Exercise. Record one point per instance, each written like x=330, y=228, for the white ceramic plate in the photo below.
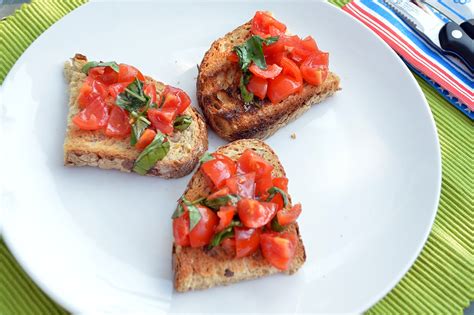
x=365, y=164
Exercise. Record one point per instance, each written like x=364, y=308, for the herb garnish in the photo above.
x=216, y=203
x=154, y=152
x=276, y=226
x=92, y=64
x=275, y=190
x=206, y=157
x=248, y=52
x=133, y=98
x=194, y=214
x=182, y=122
x=225, y=233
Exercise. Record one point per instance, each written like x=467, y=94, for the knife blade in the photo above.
x=449, y=37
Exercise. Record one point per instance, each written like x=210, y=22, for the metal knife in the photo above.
x=449, y=37
x=465, y=19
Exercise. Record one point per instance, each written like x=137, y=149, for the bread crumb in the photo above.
x=293, y=135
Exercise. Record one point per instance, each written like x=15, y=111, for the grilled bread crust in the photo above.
x=219, y=97
x=93, y=148
x=198, y=268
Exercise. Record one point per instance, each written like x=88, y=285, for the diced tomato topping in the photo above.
x=271, y=72
x=263, y=184
x=279, y=249
x=146, y=138
x=242, y=185
x=281, y=87
x=118, y=124
x=233, y=57
x=176, y=99
x=291, y=69
x=263, y=24
x=286, y=217
x=315, y=68
x=220, y=193
x=281, y=182
x=225, y=214
x=150, y=90
x=202, y=233
x=255, y=214
x=250, y=161
x=128, y=73
x=219, y=169
x=93, y=117
x=258, y=86
x=228, y=244
x=181, y=230
x=117, y=88
x=246, y=241
x=162, y=119
x=90, y=90
x=106, y=75
x=309, y=43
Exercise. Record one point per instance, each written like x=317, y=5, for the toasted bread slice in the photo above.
x=198, y=268
x=93, y=148
x=219, y=97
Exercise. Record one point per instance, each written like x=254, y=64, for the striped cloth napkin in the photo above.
x=446, y=74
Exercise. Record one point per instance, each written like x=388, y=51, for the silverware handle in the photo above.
x=468, y=27
x=454, y=40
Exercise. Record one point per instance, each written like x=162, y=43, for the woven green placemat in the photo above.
x=440, y=282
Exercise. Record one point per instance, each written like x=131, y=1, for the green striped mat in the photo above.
x=440, y=282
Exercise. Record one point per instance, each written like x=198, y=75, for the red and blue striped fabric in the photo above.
x=448, y=76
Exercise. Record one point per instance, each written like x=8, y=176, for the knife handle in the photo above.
x=454, y=40
x=468, y=27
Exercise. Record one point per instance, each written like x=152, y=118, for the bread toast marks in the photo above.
x=93, y=148
x=219, y=97
x=197, y=268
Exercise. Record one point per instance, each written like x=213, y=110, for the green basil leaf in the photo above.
x=138, y=127
x=225, y=233
x=276, y=226
x=93, y=64
x=206, y=157
x=275, y=190
x=182, y=122
x=133, y=98
x=252, y=50
x=216, y=203
x=271, y=40
x=178, y=211
x=244, y=57
x=194, y=216
x=154, y=152
x=247, y=96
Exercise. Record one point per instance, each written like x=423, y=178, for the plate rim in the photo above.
x=69, y=306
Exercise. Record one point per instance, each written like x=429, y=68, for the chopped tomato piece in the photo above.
x=279, y=249
x=219, y=169
x=181, y=230
x=281, y=87
x=93, y=117
x=271, y=72
x=106, y=75
x=254, y=214
x=315, y=68
x=150, y=90
x=261, y=23
x=263, y=184
x=281, y=182
x=228, y=244
x=90, y=90
x=176, y=98
x=202, y=233
x=118, y=124
x=276, y=58
x=309, y=43
x=116, y=88
x=277, y=47
x=246, y=241
x=258, y=86
x=145, y=139
x=162, y=119
x=128, y=73
x=291, y=69
x=225, y=214
x=242, y=185
x=220, y=193
x=233, y=57
x=250, y=161
x=286, y=217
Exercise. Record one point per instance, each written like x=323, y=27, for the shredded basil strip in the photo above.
x=216, y=203
x=179, y=211
x=247, y=96
x=154, y=152
x=275, y=190
x=182, y=122
x=194, y=214
x=276, y=226
x=92, y=64
x=225, y=233
x=138, y=127
x=133, y=98
x=206, y=157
